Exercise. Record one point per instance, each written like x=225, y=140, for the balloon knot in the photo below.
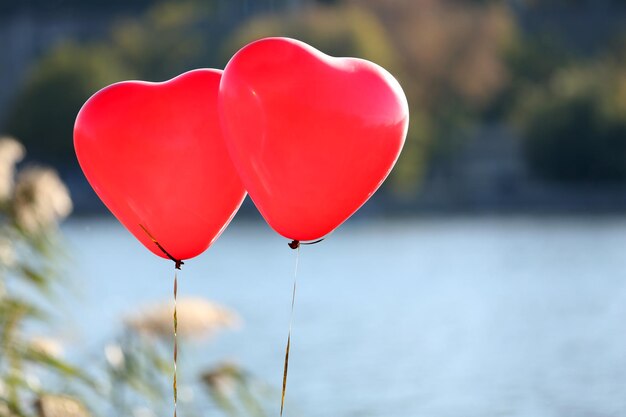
x=177, y=262
x=295, y=244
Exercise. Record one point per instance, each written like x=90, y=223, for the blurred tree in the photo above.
x=531, y=60
x=575, y=126
x=453, y=51
x=451, y=63
x=44, y=112
x=165, y=42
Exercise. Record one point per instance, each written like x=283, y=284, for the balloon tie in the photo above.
x=295, y=244
x=174, y=385
x=293, y=299
x=177, y=262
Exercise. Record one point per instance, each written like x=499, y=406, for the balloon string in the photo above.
x=177, y=262
x=293, y=300
x=177, y=265
x=174, y=385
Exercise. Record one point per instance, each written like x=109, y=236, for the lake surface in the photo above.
x=436, y=317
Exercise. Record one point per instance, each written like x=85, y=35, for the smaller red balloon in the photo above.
x=155, y=155
x=312, y=136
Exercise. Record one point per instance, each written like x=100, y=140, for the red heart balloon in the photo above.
x=312, y=136
x=155, y=155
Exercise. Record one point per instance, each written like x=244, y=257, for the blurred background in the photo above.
x=485, y=278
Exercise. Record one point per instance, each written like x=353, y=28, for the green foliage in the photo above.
x=412, y=163
x=163, y=43
x=531, y=61
x=43, y=115
x=575, y=126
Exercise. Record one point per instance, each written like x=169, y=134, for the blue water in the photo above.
x=436, y=317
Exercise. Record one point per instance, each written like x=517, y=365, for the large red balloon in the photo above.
x=154, y=154
x=312, y=136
